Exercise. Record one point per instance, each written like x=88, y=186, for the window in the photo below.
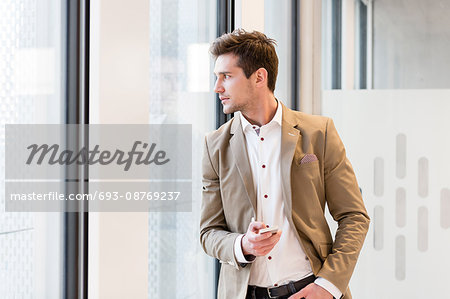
x=150, y=64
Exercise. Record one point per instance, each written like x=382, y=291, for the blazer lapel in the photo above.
x=290, y=136
x=238, y=147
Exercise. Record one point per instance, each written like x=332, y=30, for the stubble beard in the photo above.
x=231, y=108
x=243, y=106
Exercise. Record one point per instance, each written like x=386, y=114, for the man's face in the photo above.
x=234, y=89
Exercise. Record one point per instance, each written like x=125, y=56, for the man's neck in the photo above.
x=263, y=113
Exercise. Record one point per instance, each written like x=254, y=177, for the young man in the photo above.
x=270, y=166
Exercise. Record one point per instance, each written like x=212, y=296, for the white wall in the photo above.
x=396, y=141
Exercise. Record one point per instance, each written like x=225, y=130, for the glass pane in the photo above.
x=150, y=64
x=394, y=139
x=30, y=93
x=277, y=25
x=411, y=44
x=386, y=44
x=273, y=18
x=181, y=83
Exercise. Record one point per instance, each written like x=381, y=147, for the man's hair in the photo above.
x=253, y=50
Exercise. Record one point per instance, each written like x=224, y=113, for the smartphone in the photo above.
x=272, y=230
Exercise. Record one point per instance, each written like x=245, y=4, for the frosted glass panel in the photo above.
x=30, y=86
x=404, y=253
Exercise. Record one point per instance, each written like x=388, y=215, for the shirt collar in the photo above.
x=276, y=119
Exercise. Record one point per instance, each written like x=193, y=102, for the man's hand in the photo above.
x=258, y=244
x=312, y=291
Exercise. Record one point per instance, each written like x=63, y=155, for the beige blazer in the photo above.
x=229, y=199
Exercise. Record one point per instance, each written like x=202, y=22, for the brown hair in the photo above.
x=253, y=49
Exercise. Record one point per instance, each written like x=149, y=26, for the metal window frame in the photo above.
x=76, y=93
x=336, y=44
x=295, y=55
x=225, y=23
x=363, y=9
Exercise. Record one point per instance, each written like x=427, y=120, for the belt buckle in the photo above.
x=268, y=292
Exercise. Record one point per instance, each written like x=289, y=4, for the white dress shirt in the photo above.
x=287, y=260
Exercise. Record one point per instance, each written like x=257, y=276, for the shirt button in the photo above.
x=265, y=196
x=269, y=257
x=262, y=138
x=275, y=285
x=263, y=166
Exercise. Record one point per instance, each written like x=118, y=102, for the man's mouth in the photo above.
x=223, y=98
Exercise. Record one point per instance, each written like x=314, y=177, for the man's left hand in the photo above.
x=312, y=291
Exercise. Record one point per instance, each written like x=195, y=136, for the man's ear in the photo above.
x=261, y=77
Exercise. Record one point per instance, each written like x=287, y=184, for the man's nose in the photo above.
x=218, y=88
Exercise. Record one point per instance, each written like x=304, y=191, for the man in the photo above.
x=270, y=166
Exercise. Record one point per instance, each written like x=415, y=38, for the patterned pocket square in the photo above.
x=308, y=158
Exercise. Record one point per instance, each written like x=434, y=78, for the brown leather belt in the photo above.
x=280, y=291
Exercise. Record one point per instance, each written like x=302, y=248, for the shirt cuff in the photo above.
x=331, y=288
x=238, y=251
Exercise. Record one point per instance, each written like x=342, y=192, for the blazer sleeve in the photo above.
x=346, y=205
x=215, y=238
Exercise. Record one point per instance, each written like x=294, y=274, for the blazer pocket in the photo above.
x=307, y=172
x=308, y=165
x=311, y=169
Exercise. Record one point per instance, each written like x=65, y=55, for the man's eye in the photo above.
x=226, y=76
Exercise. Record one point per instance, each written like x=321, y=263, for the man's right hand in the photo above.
x=258, y=244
